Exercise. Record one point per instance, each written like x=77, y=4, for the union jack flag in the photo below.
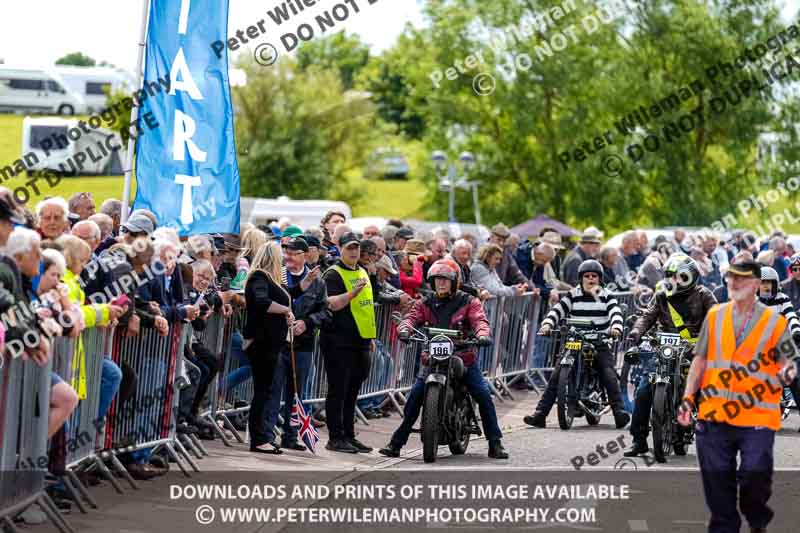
x=307, y=431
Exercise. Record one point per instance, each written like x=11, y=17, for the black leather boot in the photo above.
x=639, y=448
x=537, y=419
x=496, y=450
x=390, y=450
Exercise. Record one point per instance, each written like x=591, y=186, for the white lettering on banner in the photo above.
x=184, y=17
x=185, y=128
x=184, y=125
x=186, y=81
x=186, y=200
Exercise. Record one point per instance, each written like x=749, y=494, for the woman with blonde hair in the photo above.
x=269, y=314
x=252, y=241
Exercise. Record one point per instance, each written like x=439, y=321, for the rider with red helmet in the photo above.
x=449, y=308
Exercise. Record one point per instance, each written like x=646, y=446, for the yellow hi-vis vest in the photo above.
x=740, y=385
x=677, y=321
x=362, y=306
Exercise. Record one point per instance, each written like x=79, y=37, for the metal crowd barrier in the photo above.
x=24, y=410
x=148, y=419
x=512, y=357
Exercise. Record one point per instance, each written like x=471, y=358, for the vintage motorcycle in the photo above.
x=580, y=391
x=668, y=380
x=448, y=410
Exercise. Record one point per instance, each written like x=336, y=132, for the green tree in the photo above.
x=552, y=104
x=347, y=55
x=77, y=59
x=300, y=134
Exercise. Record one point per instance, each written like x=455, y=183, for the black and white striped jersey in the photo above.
x=603, y=309
x=784, y=305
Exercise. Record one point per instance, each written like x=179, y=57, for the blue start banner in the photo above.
x=186, y=169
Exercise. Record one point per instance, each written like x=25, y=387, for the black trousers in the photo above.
x=346, y=368
x=263, y=361
x=208, y=363
x=604, y=361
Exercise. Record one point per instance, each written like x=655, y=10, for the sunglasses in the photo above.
x=795, y=269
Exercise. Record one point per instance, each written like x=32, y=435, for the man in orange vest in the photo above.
x=742, y=354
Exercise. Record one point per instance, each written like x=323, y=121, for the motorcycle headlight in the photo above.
x=667, y=352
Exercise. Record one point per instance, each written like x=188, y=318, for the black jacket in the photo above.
x=263, y=327
x=312, y=308
x=692, y=307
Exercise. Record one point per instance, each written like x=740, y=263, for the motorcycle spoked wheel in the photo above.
x=431, y=422
x=566, y=389
x=462, y=433
x=663, y=423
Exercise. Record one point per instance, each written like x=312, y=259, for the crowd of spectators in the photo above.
x=65, y=268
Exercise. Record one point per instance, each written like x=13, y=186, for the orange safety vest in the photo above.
x=740, y=385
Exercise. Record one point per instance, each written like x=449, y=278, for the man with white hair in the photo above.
x=97, y=274
x=630, y=252
x=52, y=215
x=113, y=208
x=106, y=225
x=462, y=254
x=371, y=231
x=82, y=204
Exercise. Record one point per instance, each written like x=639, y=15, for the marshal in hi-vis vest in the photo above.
x=362, y=306
x=740, y=385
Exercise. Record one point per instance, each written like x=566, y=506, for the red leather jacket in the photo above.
x=461, y=312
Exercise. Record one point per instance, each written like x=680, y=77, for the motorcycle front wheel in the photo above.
x=430, y=422
x=662, y=419
x=565, y=387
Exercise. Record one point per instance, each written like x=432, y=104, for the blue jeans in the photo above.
x=283, y=385
x=243, y=373
x=478, y=389
x=643, y=397
x=541, y=349
x=109, y=385
x=718, y=446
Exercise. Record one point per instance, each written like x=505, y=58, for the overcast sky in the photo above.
x=37, y=32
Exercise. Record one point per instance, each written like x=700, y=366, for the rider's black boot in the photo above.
x=390, y=450
x=621, y=418
x=537, y=419
x=639, y=448
x=496, y=450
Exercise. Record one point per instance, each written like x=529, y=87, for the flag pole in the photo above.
x=126, y=191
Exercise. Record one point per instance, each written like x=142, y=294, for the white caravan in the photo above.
x=27, y=90
x=91, y=83
x=100, y=152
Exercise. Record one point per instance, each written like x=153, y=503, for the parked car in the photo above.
x=387, y=163
x=37, y=91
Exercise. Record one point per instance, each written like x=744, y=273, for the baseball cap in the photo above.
x=386, y=264
x=748, y=269
x=292, y=231
x=405, y=233
x=347, y=239
x=312, y=241
x=297, y=244
x=139, y=223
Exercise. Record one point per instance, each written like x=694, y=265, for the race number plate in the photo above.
x=669, y=339
x=573, y=345
x=441, y=349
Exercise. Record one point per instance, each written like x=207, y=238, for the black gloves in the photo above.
x=484, y=341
